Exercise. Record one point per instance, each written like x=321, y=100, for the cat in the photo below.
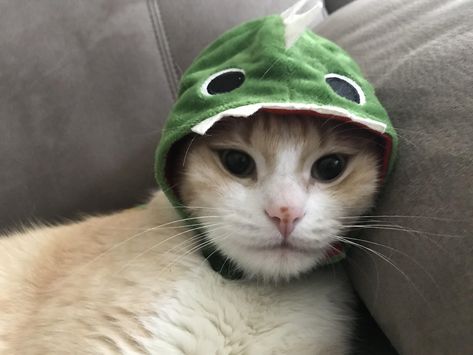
x=270, y=193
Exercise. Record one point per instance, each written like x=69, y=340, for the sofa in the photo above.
x=85, y=87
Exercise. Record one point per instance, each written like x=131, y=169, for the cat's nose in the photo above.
x=285, y=218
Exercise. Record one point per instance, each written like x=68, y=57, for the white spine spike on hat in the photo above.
x=300, y=16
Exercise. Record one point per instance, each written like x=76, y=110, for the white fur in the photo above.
x=205, y=314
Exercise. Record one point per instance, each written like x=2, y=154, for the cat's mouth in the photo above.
x=330, y=250
x=286, y=246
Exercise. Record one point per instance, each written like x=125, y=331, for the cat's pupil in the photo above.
x=237, y=162
x=328, y=167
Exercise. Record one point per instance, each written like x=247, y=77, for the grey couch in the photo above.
x=86, y=85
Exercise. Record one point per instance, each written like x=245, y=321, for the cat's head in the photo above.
x=282, y=213
x=276, y=192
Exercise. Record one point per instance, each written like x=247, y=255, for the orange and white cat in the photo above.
x=272, y=194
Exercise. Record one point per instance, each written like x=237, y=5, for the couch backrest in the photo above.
x=419, y=56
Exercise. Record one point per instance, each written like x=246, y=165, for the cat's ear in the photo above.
x=300, y=16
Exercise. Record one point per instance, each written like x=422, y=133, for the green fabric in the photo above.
x=273, y=74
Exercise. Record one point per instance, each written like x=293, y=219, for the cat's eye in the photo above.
x=346, y=88
x=237, y=162
x=224, y=81
x=329, y=167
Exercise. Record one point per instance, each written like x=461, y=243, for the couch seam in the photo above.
x=163, y=46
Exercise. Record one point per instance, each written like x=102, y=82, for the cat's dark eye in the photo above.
x=223, y=81
x=329, y=167
x=237, y=162
x=346, y=88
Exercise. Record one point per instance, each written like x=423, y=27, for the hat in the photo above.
x=275, y=64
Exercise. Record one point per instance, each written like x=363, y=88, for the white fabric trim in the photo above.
x=247, y=110
x=296, y=22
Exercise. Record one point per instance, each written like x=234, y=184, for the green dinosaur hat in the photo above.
x=274, y=64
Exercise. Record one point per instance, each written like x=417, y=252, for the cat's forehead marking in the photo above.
x=268, y=130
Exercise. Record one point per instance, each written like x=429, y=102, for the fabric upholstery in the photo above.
x=83, y=95
x=418, y=55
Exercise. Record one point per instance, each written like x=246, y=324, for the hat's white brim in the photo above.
x=248, y=110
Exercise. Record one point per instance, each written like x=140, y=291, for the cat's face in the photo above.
x=274, y=191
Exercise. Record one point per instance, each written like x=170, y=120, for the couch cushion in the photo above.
x=83, y=95
x=418, y=55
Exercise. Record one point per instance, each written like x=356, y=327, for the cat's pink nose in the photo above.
x=285, y=218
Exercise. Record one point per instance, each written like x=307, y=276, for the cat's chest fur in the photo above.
x=205, y=314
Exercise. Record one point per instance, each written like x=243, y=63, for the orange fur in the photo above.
x=82, y=287
x=85, y=287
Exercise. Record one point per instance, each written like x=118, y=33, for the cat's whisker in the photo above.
x=394, y=227
x=206, y=243
x=164, y=241
x=386, y=259
x=223, y=265
x=186, y=244
x=195, y=239
x=127, y=240
x=200, y=245
x=354, y=262
x=163, y=228
x=269, y=68
x=187, y=150
x=246, y=225
x=171, y=207
x=402, y=229
x=412, y=259
x=403, y=138
x=404, y=217
x=209, y=208
x=221, y=238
